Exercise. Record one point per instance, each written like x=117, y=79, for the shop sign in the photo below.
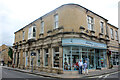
x=82, y=42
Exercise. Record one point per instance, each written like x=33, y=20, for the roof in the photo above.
x=60, y=7
x=112, y=25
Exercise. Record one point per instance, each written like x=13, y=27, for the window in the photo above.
x=32, y=32
x=26, y=59
x=29, y=32
x=101, y=25
x=111, y=31
x=46, y=57
x=116, y=35
x=38, y=58
x=56, y=57
x=23, y=34
x=56, y=21
x=42, y=27
x=90, y=22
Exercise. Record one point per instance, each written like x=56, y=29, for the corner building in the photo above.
x=56, y=41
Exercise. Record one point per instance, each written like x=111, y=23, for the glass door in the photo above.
x=97, y=54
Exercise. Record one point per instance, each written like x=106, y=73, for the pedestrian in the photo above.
x=85, y=67
x=80, y=63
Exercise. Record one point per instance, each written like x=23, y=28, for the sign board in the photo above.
x=82, y=42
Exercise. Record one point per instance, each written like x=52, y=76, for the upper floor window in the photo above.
x=23, y=35
x=90, y=22
x=32, y=32
x=116, y=35
x=101, y=25
x=111, y=31
x=56, y=21
x=42, y=27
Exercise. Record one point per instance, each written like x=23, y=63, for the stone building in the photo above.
x=113, y=44
x=56, y=41
x=4, y=57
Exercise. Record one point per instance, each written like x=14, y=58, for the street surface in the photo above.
x=110, y=75
x=6, y=73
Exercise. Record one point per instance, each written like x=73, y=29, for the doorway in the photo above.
x=97, y=55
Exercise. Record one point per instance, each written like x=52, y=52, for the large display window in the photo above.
x=115, y=58
x=95, y=58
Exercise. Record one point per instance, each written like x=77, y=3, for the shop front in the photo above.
x=114, y=58
x=75, y=49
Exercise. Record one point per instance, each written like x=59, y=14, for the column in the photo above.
x=61, y=59
x=41, y=59
x=50, y=61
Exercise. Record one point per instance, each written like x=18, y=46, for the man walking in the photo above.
x=80, y=66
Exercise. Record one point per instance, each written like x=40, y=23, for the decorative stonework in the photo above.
x=82, y=29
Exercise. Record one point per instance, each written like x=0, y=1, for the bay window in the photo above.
x=32, y=32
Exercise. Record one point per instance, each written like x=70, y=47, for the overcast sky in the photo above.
x=15, y=14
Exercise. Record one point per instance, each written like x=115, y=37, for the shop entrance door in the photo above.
x=97, y=54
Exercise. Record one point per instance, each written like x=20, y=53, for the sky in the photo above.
x=15, y=14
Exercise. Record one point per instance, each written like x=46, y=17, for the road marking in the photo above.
x=104, y=76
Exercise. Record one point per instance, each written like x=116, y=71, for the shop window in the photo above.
x=67, y=58
x=75, y=58
x=90, y=22
x=115, y=58
x=38, y=58
x=46, y=57
x=90, y=59
x=56, y=57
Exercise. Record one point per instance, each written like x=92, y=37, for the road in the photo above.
x=114, y=75
x=6, y=73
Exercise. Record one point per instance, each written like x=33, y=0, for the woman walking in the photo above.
x=85, y=68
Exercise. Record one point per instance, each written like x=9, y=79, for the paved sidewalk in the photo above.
x=67, y=75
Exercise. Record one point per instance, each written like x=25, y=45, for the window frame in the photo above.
x=112, y=34
x=42, y=27
x=46, y=55
x=55, y=53
x=90, y=22
x=56, y=19
x=116, y=34
x=102, y=27
x=23, y=35
x=31, y=32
